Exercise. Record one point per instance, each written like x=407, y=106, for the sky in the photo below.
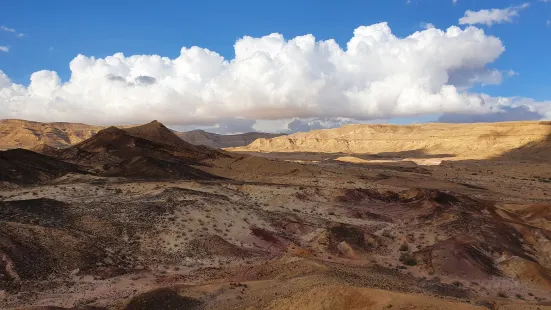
x=285, y=66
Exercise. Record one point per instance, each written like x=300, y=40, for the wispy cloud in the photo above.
x=512, y=73
x=492, y=16
x=427, y=25
x=7, y=29
x=12, y=30
x=4, y=49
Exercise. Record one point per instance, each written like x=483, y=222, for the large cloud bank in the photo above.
x=377, y=75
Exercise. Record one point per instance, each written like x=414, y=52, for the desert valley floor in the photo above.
x=136, y=218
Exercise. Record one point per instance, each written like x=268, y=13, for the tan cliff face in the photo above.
x=481, y=140
x=38, y=136
x=26, y=134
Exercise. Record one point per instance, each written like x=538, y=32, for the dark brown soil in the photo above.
x=165, y=298
x=21, y=166
x=459, y=259
x=41, y=211
x=352, y=235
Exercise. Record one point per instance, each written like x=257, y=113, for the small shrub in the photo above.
x=404, y=247
x=408, y=260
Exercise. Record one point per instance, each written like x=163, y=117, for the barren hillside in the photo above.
x=151, y=150
x=221, y=141
x=16, y=133
x=37, y=136
x=482, y=140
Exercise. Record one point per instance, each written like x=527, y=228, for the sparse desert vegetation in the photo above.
x=136, y=217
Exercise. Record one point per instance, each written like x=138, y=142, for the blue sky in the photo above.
x=55, y=32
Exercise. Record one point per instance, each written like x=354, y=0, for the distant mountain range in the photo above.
x=202, y=137
x=16, y=133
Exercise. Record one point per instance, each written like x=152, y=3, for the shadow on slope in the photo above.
x=164, y=298
x=416, y=154
x=23, y=167
x=315, y=156
x=532, y=151
x=146, y=151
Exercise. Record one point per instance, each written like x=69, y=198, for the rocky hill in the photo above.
x=222, y=141
x=147, y=151
x=36, y=136
x=481, y=140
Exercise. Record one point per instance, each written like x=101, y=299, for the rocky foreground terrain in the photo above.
x=137, y=218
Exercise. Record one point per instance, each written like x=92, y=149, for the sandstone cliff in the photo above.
x=481, y=140
x=16, y=133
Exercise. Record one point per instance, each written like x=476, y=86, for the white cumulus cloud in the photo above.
x=492, y=16
x=376, y=76
x=4, y=49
